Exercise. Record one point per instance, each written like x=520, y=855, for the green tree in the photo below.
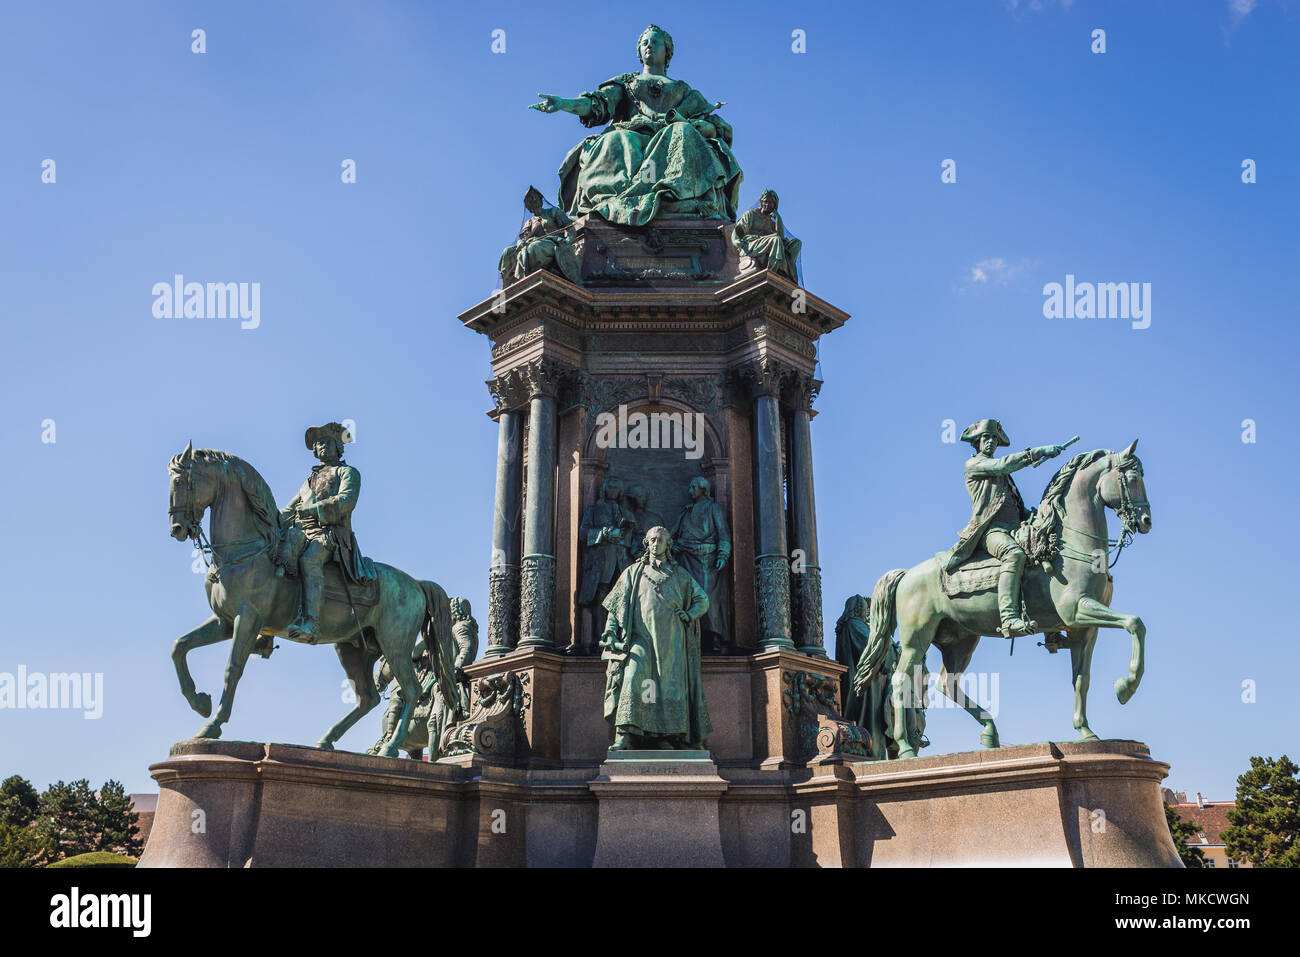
x=114, y=822
x=66, y=819
x=19, y=801
x=22, y=845
x=1183, y=831
x=1265, y=824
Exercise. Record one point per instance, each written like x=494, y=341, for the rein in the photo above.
x=207, y=549
x=1125, y=511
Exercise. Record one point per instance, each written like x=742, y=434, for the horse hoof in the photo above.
x=203, y=704
x=210, y=730
x=1123, y=690
x=323, y=745
x=1088, y=736
x=389, y=753
x=990, y=741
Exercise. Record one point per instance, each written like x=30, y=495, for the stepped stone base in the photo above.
x=270, y=805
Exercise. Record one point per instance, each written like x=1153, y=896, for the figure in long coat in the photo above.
x=654, y=693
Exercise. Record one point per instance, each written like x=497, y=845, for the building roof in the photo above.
x=1210, y=819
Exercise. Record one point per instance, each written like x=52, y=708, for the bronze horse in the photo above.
x=252, y=605
x=1072, y=593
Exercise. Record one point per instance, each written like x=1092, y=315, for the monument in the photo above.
x=655, y=688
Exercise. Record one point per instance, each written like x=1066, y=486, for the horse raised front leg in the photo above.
x=1082, y=641
x=1092, y=612
x=208, y=633
x=246, y=627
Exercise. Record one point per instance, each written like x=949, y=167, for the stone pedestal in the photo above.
x=658, y=809
x=1034, y=805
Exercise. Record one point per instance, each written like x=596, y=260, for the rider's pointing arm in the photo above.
x=979, y=465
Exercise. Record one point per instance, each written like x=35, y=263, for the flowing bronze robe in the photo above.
x=657, y=689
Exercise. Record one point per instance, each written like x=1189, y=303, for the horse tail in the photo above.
x=437, y=618
x=884, y=619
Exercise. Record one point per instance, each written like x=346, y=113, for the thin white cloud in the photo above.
x=1240, y=9
x=996, y=271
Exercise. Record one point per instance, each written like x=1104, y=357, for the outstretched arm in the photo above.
x=550, y=103
x=1013, y=462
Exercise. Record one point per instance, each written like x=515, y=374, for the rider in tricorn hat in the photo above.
x=996, y=511
x=322, y=509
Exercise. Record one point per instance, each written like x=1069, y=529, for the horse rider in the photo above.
x=322, y=512
x=996, y=511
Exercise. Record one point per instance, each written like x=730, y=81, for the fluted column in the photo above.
x=771, y=560
x=805, y=572
x=503, y=576
x=537, y=578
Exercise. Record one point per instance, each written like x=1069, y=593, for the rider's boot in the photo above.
x=313, y=595
x=1009, y=600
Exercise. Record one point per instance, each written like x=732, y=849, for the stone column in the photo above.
x=503, y=576
x=771, y=559
x=805, y=572
x=537, y=578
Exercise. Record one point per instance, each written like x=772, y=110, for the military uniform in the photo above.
x=322, y=510
x=700, y=538
x=997, y=510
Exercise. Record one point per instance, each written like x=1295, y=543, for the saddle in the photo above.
x=290, y=548
x=979, y=573
x=363, y=593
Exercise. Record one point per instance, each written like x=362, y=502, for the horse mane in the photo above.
x=258, y=493
x=1051, y=508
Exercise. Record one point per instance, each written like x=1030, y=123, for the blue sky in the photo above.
x=225, y=166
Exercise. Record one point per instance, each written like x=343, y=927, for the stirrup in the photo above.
x=1018, y=627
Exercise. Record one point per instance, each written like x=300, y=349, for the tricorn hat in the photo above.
x=985, y=427
x=333, y=429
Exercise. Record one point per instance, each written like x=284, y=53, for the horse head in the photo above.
x=191, y=491
x=1121, y=489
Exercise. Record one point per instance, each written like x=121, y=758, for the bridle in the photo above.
x=1127, y=512
x=193, y=525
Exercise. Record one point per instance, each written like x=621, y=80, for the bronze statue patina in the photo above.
x=664, y=153
x=760, y=234
x=637, y=498
x=252, y=604
x=542, y=244
x=322, y=513
x=702, y=544
x=996, y=512
x=951, y=606
x=654, y=692
x=606, y=529
x=433, y=714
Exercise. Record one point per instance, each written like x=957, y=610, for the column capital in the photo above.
x=763, y=376
x=544, y=376
x=801, y=389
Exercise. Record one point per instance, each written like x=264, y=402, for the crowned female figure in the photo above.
x=664, y=153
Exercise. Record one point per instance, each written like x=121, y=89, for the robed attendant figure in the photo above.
x=654, y=693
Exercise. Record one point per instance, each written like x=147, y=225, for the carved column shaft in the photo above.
x=537, y=578
x=805, y=573
x=771, y=563
x=503, y=576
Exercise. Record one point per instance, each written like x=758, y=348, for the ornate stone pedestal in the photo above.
x=658, y=809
